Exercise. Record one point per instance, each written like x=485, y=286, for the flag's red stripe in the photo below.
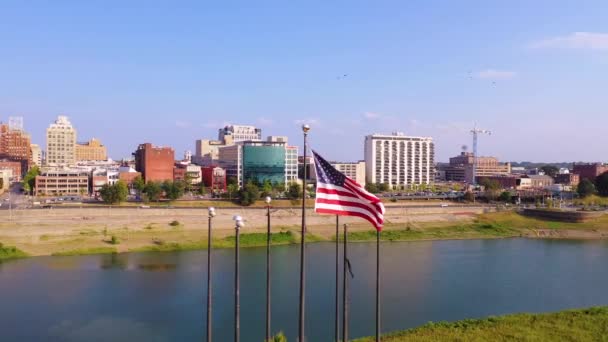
x=349, y=213
x=376, y=202
x=351, y=204
x=335, y=192
x=351, y=187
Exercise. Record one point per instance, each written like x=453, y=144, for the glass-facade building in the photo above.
x=264, y=163
x=260, y=161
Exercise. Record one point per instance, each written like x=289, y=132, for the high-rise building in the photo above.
x=154, y=163
x=399, y=160
x=207, y=151
x=260, y=161
x=91, y=150
x=36, y=154
x=15, y=143
x=61, y=143
x=237, y=133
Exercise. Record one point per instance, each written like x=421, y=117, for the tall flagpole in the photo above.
x=345, y=288
x=268, y=238
x=337, y=330
x=377, y=285
x=211, y=215
x=305, y=129
x=237, y=305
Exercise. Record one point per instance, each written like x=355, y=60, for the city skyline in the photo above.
x=171, y=75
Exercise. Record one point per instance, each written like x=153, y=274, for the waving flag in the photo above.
x=340, y=195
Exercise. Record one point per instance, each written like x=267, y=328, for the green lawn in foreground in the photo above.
x=573, y=325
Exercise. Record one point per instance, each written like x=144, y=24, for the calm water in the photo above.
x=160, y=296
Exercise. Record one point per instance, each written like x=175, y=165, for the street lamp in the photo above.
x=212, y=214
x=238, y=225
x=268, y=238
x=305, y=130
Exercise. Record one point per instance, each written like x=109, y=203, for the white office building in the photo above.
x=61, y=143
x=399, y=160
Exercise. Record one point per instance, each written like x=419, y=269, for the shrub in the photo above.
x=174, y=223
x=114, y=240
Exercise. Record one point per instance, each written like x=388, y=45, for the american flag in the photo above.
x=340, y=195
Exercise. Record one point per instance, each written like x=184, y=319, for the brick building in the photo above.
x=589, y=171
x=15, y=166
x=461, y=168
x=15, y=145
x=571, y=179
x=154, y=163
x=214, y=178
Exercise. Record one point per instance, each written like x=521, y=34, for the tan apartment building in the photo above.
x=461, y=168
x=36, y=154
x=91, y=150
x=61, y=143
x=352, y=170
x=62, y=182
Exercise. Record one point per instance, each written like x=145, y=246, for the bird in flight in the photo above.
x=342, y=77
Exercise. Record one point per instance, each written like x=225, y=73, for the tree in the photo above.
x=279, y=187
x=139, y=184
x=249, y=194
x=294, y=191
x=505, y=196
x=153, y=191
x=601, y=183
x=267, y=188
x=550, y=170
x=371, y=187
x=232, y=190
x=383, y=187
x=173, y=190
x=1, y=183
x=232, y=181
x=29, y=181
x=113, y=194
x=201, y=189
x=585, y=188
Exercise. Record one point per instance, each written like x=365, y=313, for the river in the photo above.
x=161, y=296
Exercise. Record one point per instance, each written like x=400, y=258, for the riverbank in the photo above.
x=571, y=325
x=95, y=231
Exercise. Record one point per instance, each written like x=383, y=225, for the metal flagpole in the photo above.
x=209, y=308
x=337, y=332
x=237, y=306
x=345, y=288
x=305, y=129
x=377, y=285
x=268, y=238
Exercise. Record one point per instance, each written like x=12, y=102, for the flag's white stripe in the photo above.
x=352, y=209
x=357, y=199
x=369, y=207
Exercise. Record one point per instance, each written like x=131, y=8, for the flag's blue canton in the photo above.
x=326, y=173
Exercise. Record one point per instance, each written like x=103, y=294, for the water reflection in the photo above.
x=105, y=329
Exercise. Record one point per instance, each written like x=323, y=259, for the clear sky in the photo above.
x=170, y=72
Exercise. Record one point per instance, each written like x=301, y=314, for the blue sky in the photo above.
x=170, y=72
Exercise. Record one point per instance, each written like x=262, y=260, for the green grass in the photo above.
x=11, y=252
x=246, y=240
x=87, y=251
x=572, y=325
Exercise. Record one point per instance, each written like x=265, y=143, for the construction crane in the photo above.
x=476, y=131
